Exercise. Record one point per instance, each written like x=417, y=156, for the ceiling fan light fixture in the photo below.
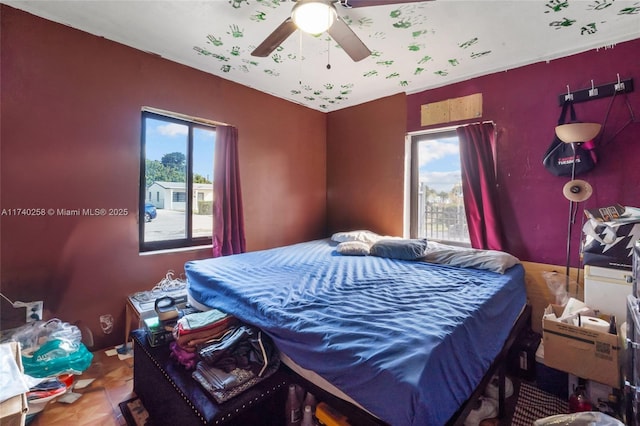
x=313, y=16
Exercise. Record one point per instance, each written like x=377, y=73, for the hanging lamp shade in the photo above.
x=577, y=132
x=577, y=190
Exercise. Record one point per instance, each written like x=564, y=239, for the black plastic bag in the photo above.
x=560, y=156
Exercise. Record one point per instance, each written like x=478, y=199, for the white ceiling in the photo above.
x=416, y=46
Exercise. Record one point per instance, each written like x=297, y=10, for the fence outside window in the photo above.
x=442, y=217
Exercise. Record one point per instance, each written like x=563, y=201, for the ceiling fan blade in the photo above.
x=348, y=40
x=275, y=39
x=367, y=3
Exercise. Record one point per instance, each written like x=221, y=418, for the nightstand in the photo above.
x=141, y=305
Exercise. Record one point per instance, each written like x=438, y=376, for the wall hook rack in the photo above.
x=597, y=92
x=568, y=96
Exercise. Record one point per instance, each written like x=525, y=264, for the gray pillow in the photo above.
x=400, y=248
x=491, y=260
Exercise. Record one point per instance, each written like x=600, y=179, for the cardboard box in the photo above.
x=588, y=354
x=13, y=411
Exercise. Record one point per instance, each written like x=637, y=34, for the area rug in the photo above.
x=534, y=404
x=134, y=413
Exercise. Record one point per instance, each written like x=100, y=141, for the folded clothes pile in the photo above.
x=234, y=362
x=227, y=357
x=224, y=386
x=195, y=330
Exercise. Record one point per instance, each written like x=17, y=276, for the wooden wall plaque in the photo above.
x=455, y=109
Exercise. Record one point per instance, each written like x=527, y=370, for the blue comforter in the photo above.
x=408, y=340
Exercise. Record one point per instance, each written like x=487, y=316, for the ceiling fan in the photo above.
x=316, y=17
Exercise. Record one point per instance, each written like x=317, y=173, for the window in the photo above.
x=179, y=197
x=176, y=164
x=437, y=203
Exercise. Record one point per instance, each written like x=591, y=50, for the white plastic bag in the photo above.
x=35, y=334
x=557, y=285
x=585, y=418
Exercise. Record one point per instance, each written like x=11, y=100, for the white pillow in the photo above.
x=353, y=248
x=491, y=260
x=362, y=235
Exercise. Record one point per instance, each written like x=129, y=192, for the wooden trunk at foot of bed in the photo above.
x=172, y=397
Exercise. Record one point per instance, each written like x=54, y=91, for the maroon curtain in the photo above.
x=479, y=185
x=228, y=225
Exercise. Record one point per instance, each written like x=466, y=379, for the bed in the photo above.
x=407, y=340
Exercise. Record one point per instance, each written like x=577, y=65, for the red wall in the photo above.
x=365, y=175
x=70, y=138
x=365, y=149
x=524, y=105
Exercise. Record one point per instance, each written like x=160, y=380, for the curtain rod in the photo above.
x=184, y=117
x=447, y=129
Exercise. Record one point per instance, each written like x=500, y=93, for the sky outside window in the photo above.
x=162, y=137
x=439, y=163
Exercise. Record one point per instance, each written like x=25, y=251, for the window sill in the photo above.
x=176, y=250
x=451, y=242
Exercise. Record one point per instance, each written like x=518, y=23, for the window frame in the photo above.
x=189, y=241
x=414, y=178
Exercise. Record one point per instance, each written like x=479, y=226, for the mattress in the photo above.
x=407, y=340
